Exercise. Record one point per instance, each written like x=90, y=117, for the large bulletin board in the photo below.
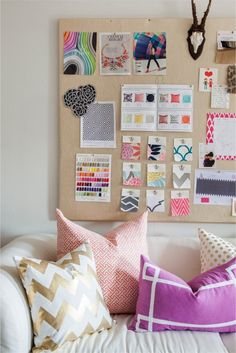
x=181, y=69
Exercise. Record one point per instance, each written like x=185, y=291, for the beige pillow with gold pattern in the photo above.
x=65, y=297
x=214, y=251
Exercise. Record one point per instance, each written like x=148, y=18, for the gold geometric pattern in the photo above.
x=65, y=298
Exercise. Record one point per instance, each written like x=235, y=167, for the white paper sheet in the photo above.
x=207, y=78
x=219, y=97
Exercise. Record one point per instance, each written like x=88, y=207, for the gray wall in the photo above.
x=29, y=109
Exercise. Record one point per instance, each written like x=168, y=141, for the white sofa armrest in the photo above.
x=15, y=321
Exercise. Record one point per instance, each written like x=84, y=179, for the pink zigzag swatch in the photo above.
x=180, y=207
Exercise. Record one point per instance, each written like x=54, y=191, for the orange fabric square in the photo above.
x=185, y=119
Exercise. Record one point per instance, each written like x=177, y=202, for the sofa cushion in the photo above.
x=120, y=340
x=117, y=257
x=166, y=302
x=214, y=250
x=65, y=297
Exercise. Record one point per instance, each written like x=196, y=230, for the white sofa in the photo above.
x=178, y=255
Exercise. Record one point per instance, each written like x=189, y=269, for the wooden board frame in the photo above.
x=181, y=69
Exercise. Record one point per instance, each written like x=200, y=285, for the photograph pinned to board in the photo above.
x=174, y=107
x=183, y=149
x=156, y=175
x=182, y=176
x=132, y=174
x=214, y=187
x=156, y=150
x=115, y=53
x=78, y=100
x=149, y=53
x=155, y=200
x=138, y=107
x=80, y=53
x=220, y=130
x=93, y=177
x=220, y=97
x=129, y=200
x=206, y=155
x=179, y=203
x=97, y=127
x=131, y=148
x=207, y=78
x=226, y=47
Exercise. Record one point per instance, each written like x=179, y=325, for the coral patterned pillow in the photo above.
x=166, y=302
x=117, y=257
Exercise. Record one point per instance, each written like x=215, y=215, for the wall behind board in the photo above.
x=29, y=109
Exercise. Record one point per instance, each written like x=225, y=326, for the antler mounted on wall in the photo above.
x=196, y=33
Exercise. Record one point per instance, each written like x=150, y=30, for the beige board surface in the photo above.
x=181, y=69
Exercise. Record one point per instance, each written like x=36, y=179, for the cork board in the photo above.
x=181, y=69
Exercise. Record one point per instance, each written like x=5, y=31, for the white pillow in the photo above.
x=214, y=250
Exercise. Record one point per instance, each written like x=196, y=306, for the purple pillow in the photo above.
x=166, y=302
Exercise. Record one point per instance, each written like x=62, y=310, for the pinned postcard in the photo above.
x=93, y=177
x=138, y=107
x=155, y=200
x=214, y=187
x=183, y=149
x=149, y=53
x=132, y=174
x=129, y=200
x=182, y=176
x=180, y=205
x=115, y=53
x=97, y=127
x=220, y=97
x=156, y=175
x=156, y=148
x=221, y=128
x=207, y=78
x=207, y=155
x=131, y=148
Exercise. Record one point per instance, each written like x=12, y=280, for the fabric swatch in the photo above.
x=97, y=128
x=156, y=175
x=156, y=150
x=129, y=200
x=132, y=174
x=180, y=205
x=155, y=200
x=181, y=176
x=163, y=119
x=175, y=98
x=80, y=53
x=79, y=99
x=183, y=150
x=131, y=148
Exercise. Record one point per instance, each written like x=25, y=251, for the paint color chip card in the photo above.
x=93, y=177
x=129, y=200
x=180, y=205
x=155, y=200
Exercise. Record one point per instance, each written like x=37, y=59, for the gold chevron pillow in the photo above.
x=65, y=297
